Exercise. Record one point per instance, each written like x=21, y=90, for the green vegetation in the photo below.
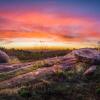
x=17, y=56
x=24, y=92
x=98, y=90
x=26, y=55
x=54, y=89
x=63, y=85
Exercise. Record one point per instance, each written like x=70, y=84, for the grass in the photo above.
x=25, y=92
x=98, y=91
x=66, y=89
x=29, y=55
x=64, y=85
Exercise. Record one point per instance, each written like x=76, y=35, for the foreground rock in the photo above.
x=87, y=55
x=40, y=73
x=65, y=63
x=4, y=58
x=90, y=70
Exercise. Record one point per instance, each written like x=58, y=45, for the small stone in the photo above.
x=90, y=70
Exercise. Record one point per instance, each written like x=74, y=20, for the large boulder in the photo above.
x=4, y=58
x=87, y=55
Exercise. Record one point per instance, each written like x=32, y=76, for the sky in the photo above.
x=55, y=23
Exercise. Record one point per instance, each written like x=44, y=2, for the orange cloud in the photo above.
x=43, y=25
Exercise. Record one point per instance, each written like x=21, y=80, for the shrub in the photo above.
x=24, y=92
x=98, y=91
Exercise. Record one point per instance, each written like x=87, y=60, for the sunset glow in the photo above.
x=58, y=23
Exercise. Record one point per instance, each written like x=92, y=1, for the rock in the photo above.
x=87, y=55
x=90, y=70
x=4, y=58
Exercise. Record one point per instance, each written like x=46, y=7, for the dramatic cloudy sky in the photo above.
x=27, y=23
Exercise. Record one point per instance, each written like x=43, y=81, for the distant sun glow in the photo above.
x=36, y=44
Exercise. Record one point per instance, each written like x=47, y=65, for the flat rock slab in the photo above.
x=11, y=67
x=32, y=76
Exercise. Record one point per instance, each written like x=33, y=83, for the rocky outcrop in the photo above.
x=87, y=55
x=57, y=64
x=4, y=58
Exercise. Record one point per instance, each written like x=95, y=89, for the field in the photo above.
x=48, y=75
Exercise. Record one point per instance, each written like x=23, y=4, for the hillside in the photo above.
x=74, y=76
